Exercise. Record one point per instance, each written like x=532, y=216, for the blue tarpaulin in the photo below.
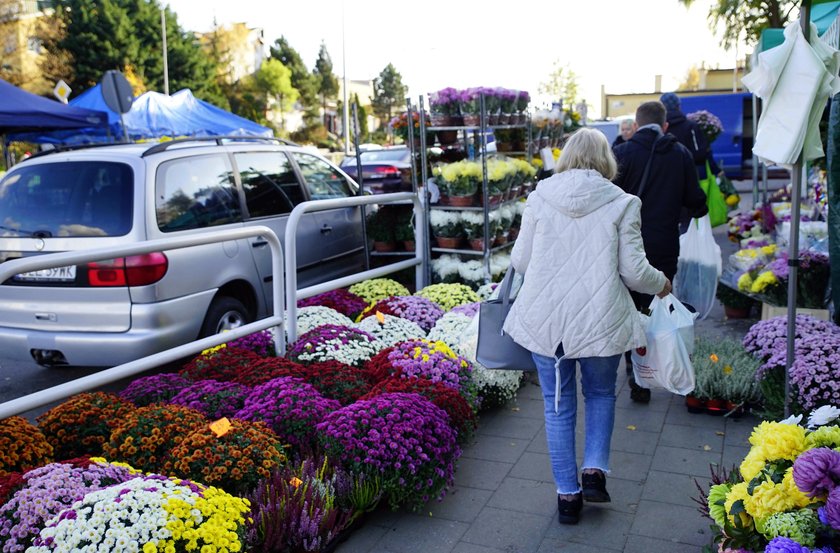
x=22, y=110
x=153, y=115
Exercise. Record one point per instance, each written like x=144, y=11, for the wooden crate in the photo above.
x=769, y=311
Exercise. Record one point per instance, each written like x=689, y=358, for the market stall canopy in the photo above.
x=23, y=111
x=153, y=115
x=823, y=15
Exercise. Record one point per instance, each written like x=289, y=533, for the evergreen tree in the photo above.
x=361, y=112
x=302, y=80
x=274, y=79
x=388, y=92
x=747, y=18
x=327, y=82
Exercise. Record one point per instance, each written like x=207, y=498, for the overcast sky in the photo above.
x=616, y=43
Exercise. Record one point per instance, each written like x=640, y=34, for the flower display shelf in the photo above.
x=494, y=249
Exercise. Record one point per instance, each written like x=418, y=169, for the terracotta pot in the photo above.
x=440, y=120
x=461, y=201
x=409, y=245
x=515, y=191
x=504, y=119
x=493, y=119
x=447, y=242
x=494, y=199
x=472, y=119
x=443, y=200
x=694, y=404
x=504, y=146
x=477, y=244
x=384, y=246
x=734, y=410
x=736, y=312
x=716, y=407
x=501, y=239
x=513, y=233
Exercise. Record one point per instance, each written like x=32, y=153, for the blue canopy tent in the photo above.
x=153, y=115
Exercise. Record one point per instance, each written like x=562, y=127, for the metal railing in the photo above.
x=107, y=376
x=290, y=240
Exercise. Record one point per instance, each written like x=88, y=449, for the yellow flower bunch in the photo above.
x=525, y=168
x=768, y=498
x=209, y=521
x=762, y=281
x=376, y=289
x=737, y=493
x=824, y=436
x=745, y=282
x=779, y=441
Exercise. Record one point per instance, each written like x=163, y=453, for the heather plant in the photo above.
x=448, y=296
x=146, y=436
x=149, y=511
x=290, y=407
x=261, y=343
x=376, y=289
x=309, y=318
x=212, y=398
x=389, y=330
x=22, y=446
x=157, y=388
x=334, y=343
x=403, y=438
x=46, y=492
x=234, y=458
x=298, y=508
x=343, y=301
x=221, y=363
x=80, y=425
x=416, y=309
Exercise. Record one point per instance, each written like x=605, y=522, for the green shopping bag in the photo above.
x=714, y=198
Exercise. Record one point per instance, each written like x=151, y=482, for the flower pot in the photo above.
x=448, y=242
x=501, y=239
x=447, y=137
x=409, y=245
x=493, y=119
x=472, y=119
x=515, y=191
x=440, y=120
x=513, y=233
x=736, y=312
x=384, y=246
x=504, y=119
x=461, y=201
x=504, y=146
x=494, y=199
x=694, y=404
x=716, y=407
x=443, y=200
x=477, y=244
x=735, y=410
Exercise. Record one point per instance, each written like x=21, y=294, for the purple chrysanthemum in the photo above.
x=817, y=471
x=158, y=388
x=213, y=398
x=261, y=343
x=422, y=311
x=468, y=309
x=830, y=513
x=785, y=545
x=341, y=300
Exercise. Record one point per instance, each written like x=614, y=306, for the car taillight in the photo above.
x=135, y=270
x=388, y=170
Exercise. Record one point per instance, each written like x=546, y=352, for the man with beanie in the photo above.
x=658, y=169
x=689, y=135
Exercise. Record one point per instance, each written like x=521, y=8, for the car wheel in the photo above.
x=225, y=313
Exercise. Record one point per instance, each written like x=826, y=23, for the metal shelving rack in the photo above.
x=464, y=131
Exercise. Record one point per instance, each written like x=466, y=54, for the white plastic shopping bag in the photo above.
x=666, y=361
x=699, y=267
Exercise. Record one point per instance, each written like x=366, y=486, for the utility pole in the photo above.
x=165, y=55
x=345, y=117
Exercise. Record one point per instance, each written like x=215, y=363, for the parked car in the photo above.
x=107, y=313
x=383, y=171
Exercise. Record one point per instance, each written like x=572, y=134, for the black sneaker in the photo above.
x=568, y=510
x=637, y=393
x=595, y=488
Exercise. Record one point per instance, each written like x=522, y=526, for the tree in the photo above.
x=361, y=113
x=747, y=18
x=327, y=83
x=692, y=79
x=275, y=79
x=388, y=92
x=302, y=80
x=562, y=84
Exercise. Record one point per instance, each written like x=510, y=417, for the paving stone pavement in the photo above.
x=504, y=499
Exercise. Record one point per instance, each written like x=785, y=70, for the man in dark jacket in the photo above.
x=689, y=134
x=660, y=170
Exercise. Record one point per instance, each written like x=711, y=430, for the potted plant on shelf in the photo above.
x=404, y=230
x=400, y=125
x=380, y=228
x=473, y=223
x=522, y=101
x=460, y=181
x=506, y=214
x=507, y=106
x=470, y=106
x=735, y=304
x=446, y=226
x=445, y=107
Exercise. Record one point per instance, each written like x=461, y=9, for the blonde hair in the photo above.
x=588, y=149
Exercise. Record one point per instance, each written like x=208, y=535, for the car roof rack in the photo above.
x=219, y=140
x=58, y=148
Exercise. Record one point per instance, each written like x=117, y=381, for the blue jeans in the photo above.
x=598, y=376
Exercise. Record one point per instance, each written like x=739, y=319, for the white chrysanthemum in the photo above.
x=392, y=330
x=823, y=415
x=472, y=272
x=314, y=316
x=446, y=265
x=486, y=290
x=494, y=386
x=448, y=329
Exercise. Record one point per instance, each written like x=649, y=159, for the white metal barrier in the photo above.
x=290, y=241
x=107, y=376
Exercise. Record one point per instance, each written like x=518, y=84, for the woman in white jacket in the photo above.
x=580, y=249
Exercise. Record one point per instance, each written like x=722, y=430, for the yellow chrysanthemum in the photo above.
x=779, y=441
x=745, y=282
x=769, y=250
x=737, y=493
x=762, y=281
x=753, y=463
x=798, y=498
x=769, y=498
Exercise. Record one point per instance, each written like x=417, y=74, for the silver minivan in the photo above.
x=107, y=313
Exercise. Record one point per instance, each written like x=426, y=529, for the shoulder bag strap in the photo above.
x=647, y=168
x=507, y=284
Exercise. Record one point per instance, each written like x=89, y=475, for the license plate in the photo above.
x=55, y=274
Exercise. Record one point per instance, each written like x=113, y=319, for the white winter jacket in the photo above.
x=580, y=248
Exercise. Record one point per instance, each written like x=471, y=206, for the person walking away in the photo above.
x=579, y=249
x=625, y=132
x=659, y=170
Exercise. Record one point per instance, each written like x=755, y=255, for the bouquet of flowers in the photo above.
x=261, y=343
x=470, y=101
x=290, y=407
x=299, y=508
x=390, y=330
x=157, y=388
x=145, y=437
x=222, y=363
x=310, y=318
x=46, y=492
x=708, y=122
x=462, y=416
x=404, y=439
x=403, y=128
x=377, y=289
x=507, y=100
x=152, y=512
x=448, y=296
x=343, y=301
x=769, y=283
x=234, y=457
x=784, y=498
x=212, y=398
x=434, y=361
x=335, y=343
x=416, y=309
x=80, y=425
x=22, y=446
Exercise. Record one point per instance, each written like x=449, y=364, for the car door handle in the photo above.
x=259, y=244
x=326, y=229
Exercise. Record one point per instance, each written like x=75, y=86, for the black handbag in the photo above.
x=497, y=350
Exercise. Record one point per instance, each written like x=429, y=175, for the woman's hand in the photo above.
x=666, y=289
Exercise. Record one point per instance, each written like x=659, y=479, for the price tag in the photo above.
x=220, y=427
x=380, y=317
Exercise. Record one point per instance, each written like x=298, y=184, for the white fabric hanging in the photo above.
x=794, y=80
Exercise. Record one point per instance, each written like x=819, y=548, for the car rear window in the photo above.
x=384, y=155
x=67, y=199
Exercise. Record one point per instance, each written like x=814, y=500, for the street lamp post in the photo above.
x=165, y=55
x=346, y=118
